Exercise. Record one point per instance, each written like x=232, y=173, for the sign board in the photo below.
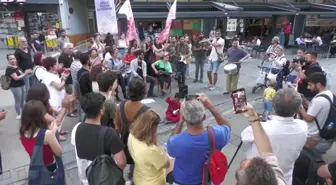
x=311, y=20
x=106, y=16
x=231, y=25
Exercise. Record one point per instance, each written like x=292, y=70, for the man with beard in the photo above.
x=139, y=70
x=183, y=51
x=171, y=49
x=217, y=46
x=235, y=55
x=318, y=111
x=308, y=68
x=199, y=50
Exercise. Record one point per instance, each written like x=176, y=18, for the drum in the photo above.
x=230, y=69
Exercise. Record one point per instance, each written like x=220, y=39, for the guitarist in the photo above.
x=163, y=69
x=183, y=51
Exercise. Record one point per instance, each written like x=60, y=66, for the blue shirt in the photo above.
x=190, y=153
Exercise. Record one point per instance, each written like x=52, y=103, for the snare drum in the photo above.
x=230, y=69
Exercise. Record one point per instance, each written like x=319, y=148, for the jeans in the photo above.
x=232, y=82
x=28, y=82
x=187, y=70
x=199, y=68
x=151, y=82
x=19, y=94
x=181, y=68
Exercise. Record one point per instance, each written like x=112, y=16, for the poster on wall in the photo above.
x=311, y=20
x=106, y=16
x=231, y=25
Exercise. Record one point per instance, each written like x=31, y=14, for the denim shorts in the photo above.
x=213, y=66
x=268, y=106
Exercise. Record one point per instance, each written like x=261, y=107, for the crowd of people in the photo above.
x=85, y=85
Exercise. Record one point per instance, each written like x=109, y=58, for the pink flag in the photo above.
x=131, y=33
x=171, y=16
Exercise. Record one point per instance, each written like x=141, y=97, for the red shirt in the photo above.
x=128, y=58
x=28, y=144
x=173, y=104
x=288, y=29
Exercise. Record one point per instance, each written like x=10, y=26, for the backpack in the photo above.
x=77, y=85
x=39, y=173
x=103, y=170
x=325, y=132
x=306, y=166
x=126, y=126
x=5, y=82
x=34, y=78
x=216, y=167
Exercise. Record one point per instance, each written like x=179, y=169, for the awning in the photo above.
x=212, y=9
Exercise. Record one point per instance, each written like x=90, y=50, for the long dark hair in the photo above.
x=32, y=118
x=40, y=92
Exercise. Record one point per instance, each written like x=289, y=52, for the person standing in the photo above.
x=235, y=55
x=217, y=46
x=199, y=51
x=65, y=60
x=24, y=60
x=62, y=40
x=182, y=52
x=17, y=84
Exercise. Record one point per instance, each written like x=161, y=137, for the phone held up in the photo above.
x=239, y=100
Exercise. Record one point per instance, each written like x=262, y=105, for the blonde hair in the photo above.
x=145, y=126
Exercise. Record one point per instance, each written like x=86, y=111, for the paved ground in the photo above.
x=15, y=159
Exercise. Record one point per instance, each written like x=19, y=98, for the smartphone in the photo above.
x=2, y=110
x=191, y=97
x=239, y=100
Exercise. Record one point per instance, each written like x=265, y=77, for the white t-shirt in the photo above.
x=219, y=49
x=108, y=56
x=258, y=42
x=56, y=96
x=319, y=108
x=40, y=72
x=319, y=40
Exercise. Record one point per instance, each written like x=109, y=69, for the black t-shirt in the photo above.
x=85, y=83
x=303, y=84
x=87, y=141
x=14, y=83
x=24, y=59
x=66, y=60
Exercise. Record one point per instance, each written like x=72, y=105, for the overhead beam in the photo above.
x=225, y=7
x=281, y=8
x=324, y=6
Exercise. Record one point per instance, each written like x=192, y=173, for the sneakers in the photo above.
x=207, y=86
x=212, y=88
x=195, y=81
x=18, y=117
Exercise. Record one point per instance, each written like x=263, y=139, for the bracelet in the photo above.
x=255, y=120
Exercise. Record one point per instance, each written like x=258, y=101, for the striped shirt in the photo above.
x=74, y=68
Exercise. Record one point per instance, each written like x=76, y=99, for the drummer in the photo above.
x=235, y=55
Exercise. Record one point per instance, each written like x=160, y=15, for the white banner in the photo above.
x=231, y=25
x=106, y=16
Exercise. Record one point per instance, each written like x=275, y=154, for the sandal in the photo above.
x=63, y=132
x=72, y=115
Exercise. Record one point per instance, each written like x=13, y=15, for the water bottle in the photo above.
x=330, y=126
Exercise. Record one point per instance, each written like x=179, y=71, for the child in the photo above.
x=268, y=97
x=173, y=110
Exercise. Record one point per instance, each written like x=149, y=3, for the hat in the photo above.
x=276, y=38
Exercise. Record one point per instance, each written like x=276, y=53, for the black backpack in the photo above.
x=126, y=125
x=77, y=85
x=103, y=170
x=328, y=131
x=306, y=166
x=35, y=80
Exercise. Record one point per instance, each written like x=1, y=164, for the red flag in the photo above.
x=171, y=16
x=131, y=33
